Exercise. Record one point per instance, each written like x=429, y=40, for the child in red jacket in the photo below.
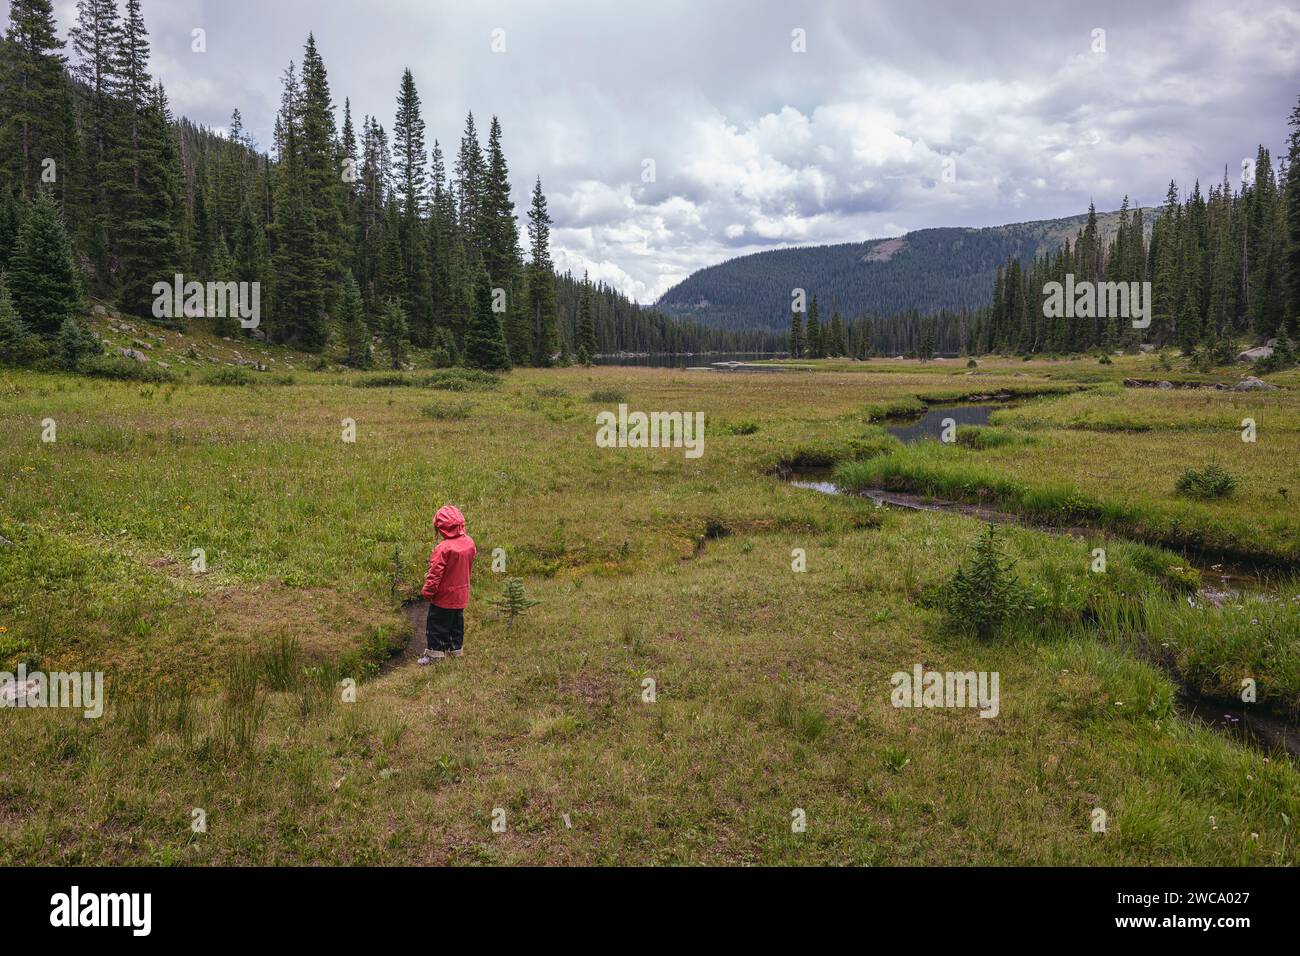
x=447, y=586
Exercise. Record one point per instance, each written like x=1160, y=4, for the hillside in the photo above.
x=925, y=271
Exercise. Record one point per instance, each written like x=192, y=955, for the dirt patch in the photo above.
x=585, y=688
x=416, y=612
x=325, y=622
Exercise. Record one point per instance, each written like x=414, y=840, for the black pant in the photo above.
x=444, y=630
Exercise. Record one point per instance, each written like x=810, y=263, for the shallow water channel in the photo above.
x=1222, y=583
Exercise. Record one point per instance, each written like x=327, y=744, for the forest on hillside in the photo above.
x=926, y=271
x=1223, y=267
x=357, y=235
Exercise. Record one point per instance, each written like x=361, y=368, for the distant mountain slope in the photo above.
x=927, y=270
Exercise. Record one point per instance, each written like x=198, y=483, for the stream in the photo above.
x=1222, y=583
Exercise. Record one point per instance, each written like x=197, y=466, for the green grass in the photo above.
x=771, y=685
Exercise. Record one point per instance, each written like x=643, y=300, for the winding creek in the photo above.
x=1227, y=583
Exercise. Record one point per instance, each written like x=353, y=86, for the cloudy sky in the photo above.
x=755, y=145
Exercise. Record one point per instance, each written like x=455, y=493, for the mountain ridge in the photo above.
x=925, y=270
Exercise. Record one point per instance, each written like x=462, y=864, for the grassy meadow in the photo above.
x=771, y=686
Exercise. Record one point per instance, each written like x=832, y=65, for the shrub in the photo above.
x=461, y=380
x=608, y=395
x=1212, y=481
x=448, y=410
x=744, y=427
x=391, y=380
x=981, y=437
x=232, y=375
x=75, y=342
x=123, y=369
x=984, y=593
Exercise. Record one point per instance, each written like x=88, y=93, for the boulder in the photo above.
x=1255, y=354
x=1164, y=384
x=134, y=354
x=1252, y=384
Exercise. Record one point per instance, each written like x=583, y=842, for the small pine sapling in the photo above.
x=513, y=602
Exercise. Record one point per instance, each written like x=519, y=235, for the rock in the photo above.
x=162, y=364
x=1255, y=354
x=99, y=310
x=134, y=354
x=1252, y=384
x=5, y=542
x=138, y=343
x=1146, y=347
x=1164, y=384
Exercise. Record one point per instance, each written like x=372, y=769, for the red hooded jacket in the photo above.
x=447, y=584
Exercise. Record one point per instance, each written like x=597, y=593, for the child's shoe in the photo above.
x=429, y=657
x=457, y=652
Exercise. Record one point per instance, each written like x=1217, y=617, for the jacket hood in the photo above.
x=449, y=521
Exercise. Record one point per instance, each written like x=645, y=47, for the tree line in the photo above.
x=353, y=232
x=1222, y=267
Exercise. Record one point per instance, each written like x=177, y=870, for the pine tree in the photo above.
x=356, y=333
x=18, y=346
x=297, y=266
x=485, y=342
x=984, y=593
x=320, y=158
x=134, y=93
x=150, y=248
x=74, y=342
x=393, y=332
x=796, y=334
x=925, y=351
x=43, y=278
x=250, y=246
x=814, y=331
x=35, y=125
x=223, y=269
x=469, y=183
x=498, y=235
x=586, y=338
x=409, y=158
x=441, y=238
x=545, y=318
x=8, y=226
x=835, y=338
x=1291, y=239
x=513, y=602
x=96, y=38
x=409, y=154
